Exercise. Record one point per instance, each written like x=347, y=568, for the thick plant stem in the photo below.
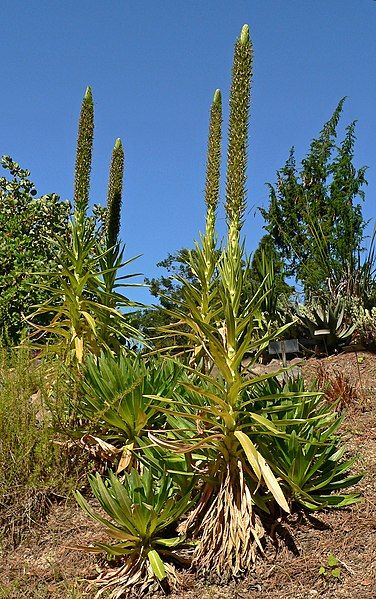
x=84, y=154
x=238, y=135
x=213, y=165
x=114, y=194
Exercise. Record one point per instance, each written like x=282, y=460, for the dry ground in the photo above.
x=44, y=567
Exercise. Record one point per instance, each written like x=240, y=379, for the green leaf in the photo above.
x=332, y=560
x=157, y=564
x=250, y=451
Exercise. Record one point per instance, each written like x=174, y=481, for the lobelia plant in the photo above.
x=235, y=471
x=83, y=302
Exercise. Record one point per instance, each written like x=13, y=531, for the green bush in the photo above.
x=33, y=469
x=25, y=222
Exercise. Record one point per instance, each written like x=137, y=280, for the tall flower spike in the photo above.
x=213, y=163
x=238, y=134
x=84, y=153
x=115, y=187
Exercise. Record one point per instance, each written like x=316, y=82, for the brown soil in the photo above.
x=44, y=566
x=359, y=367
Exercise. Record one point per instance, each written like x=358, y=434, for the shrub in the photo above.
x=25, y=222
x=33, y=469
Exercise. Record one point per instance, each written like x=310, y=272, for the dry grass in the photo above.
x=338, y=387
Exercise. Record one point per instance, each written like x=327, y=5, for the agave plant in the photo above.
x=309, y=457
x=143, y=512
x=325, y=317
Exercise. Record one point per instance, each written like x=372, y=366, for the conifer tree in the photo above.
x=314, y=216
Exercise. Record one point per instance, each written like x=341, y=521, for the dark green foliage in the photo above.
x=84, y=152
x=26, y=224
x=314, y=215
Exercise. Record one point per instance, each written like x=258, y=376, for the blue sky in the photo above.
x=153, y=66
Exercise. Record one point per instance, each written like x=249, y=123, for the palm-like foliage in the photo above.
x=308, y=457
x=78, y=298
x=115, y=393
x=142, y=512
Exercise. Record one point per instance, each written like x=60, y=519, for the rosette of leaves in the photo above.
x=115, y=401
x=142, y=516
x=309, y=456
x=325, y=317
